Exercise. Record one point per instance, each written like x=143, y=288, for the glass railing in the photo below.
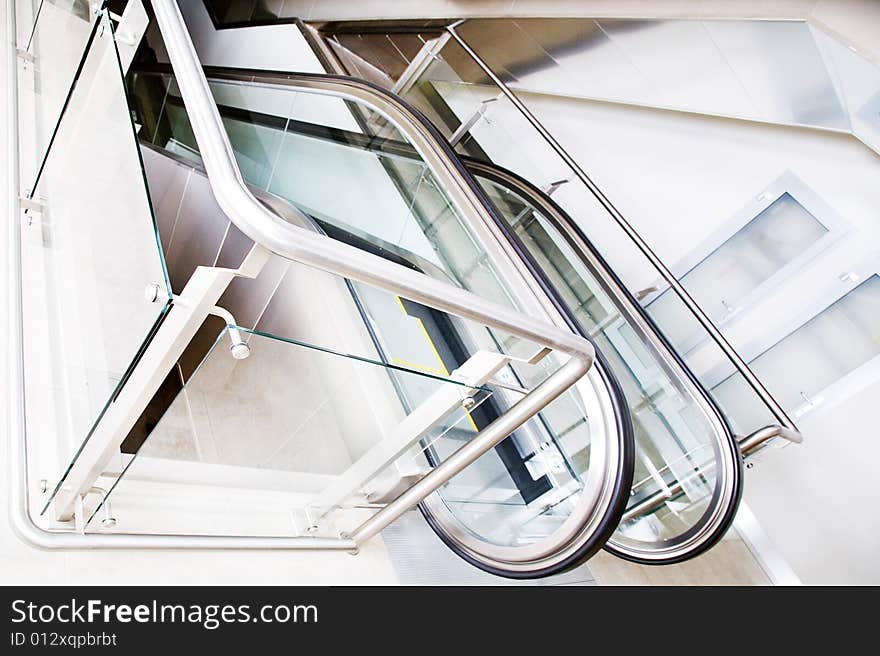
x=375, y=192
x=682, y=437
x=55, y=38
x=453, y=88
x=269, y=449
x=252, y=425
x=677, y=489
x=680, y=434
x=274, y=152
x=529, y=485
x=92, y=239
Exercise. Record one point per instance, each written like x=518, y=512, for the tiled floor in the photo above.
x=727, y=563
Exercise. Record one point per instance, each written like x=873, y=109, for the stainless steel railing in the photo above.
x=705, y=321
x=277, y=235
x=748, y=445
x=321, y=252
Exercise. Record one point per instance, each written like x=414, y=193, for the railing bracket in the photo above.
x=31, y=205
x=238, y=347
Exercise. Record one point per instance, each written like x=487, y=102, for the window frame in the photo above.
x=842, y=388
x=791, y=184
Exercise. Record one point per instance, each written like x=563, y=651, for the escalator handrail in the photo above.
x=576, y=238
x=294, y=243
x=623, y=474
x=500, y=175
x=727, y=492
x=597, y=264
x=556, y=215
x=748, y=445
x=552, y=211
x=635, y=237
x=603, y=495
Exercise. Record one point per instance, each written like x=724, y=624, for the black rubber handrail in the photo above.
x=624, y=430
x=561, y=221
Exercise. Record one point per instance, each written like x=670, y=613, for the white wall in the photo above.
x=273, y=47
x=679, y=176
x=856, y=21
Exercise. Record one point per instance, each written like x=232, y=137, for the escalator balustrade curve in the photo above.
x=678, y=509
x=535, y=506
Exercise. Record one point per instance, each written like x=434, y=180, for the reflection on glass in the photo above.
x=519, y=496
x=309, y=149
x=236, y=11
x=674, y=439
x=300, y=413
x=376, y=193
x=451, y=90
x=530, y=468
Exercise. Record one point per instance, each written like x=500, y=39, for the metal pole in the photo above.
x=637, y=239
x=319, y=251
x=526, y=408
x=747, y=446
x=19, y=515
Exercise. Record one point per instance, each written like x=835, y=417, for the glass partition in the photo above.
x=309, y=149
x=680, y=437
x=287, y=420
x=102, y=261
x=54, y=51
x=455, y=91
x=273, y=432
x=360, y=181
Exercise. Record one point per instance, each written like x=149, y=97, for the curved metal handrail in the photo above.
x=20, y=518
x=598, y=266
x=636, y=313
x=291, y=242
x=728, y=486
x=608, y=279
x=286, y=240
x=558, y=217
x=621, y=478
x=271, y=233
x=748, y=445
x=636, y=238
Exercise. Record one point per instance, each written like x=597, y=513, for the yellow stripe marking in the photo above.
x=441, y=370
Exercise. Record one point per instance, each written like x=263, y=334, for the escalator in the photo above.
x=682, y=507
x=686, y=455
x=549, y=496
x=346, y=319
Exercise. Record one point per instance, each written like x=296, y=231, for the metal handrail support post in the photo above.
x=488, y=438
x=475, y=372
x=187, y=313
